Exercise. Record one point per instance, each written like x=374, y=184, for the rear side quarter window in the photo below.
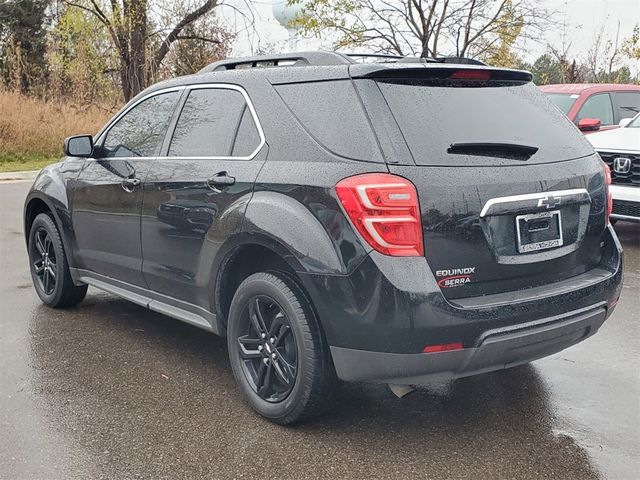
x=331, y=112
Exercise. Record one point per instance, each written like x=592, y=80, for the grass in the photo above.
x=20, y=163
x=32, y=130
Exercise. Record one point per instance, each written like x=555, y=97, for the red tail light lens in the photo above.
x=384, y=209
x=481, y=75
x=607, y=183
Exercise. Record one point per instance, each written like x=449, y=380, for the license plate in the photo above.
x=539, y=231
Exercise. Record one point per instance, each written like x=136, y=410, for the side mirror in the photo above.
x=624, y=122
x=589, y=124
x=78, y=146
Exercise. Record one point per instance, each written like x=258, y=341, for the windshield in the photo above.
x=635, y=123
x=564, y=101
x=512, y=121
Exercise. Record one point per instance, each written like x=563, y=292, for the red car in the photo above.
x=596, y=106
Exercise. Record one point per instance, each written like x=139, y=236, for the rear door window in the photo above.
x=332, y=114
x=627, y=104
x=597, y=106
x=209, y=122
x=432, y=117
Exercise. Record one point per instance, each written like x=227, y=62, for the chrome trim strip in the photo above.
x=617, y=216
x=530, y=196
x=624, y=152
x=126, y=110
x=199, y=86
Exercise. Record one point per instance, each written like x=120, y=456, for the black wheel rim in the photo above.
x=43, y=259
x=267, y=349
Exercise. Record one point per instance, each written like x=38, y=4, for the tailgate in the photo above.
x=484, y=236
x=511, y=194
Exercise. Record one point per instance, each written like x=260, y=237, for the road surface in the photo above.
x=111, y=390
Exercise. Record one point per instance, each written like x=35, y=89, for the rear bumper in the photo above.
x=378, y=319
x=497, y=350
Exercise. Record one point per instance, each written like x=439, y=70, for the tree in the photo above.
x=196, y=50
x=424, y=28
x=81, y=59
x=631, y=45
x=604, y=54
x=499, y=51
x=546, y=70
x=23, y=42
x=141, y=51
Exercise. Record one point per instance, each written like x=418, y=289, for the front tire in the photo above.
x=49, y=267
x=278, y=354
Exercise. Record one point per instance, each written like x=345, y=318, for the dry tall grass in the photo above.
x=30, y=127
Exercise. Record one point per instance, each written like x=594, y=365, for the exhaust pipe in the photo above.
x=401, y=391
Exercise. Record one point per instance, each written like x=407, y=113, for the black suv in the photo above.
x=397, y=222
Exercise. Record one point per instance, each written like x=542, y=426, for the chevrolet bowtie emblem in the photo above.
x=550, y=201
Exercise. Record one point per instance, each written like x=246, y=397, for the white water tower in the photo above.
x=284, y=14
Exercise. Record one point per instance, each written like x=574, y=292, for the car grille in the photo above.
x=629, y=209
x=632, y=178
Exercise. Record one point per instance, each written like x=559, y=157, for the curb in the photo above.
x=16, y=176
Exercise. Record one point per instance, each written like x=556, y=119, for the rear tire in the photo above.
x=49, y=267
x=278, y=353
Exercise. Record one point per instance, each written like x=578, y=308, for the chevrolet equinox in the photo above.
x=399, y=222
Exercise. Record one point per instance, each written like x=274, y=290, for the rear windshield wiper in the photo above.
x=515, y=151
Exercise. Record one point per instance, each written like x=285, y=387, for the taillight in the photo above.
x=607, y=183
x=384, y=209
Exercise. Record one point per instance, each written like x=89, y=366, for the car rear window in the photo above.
x=332, y=114
x=432, y=117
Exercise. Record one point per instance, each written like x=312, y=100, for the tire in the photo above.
x=293, y=338
x=49, y=267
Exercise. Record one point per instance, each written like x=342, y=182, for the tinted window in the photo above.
x=332, y=114
x=597, y=106
x=247, y=138
x=140, y=132
x=627, y=104
x=209, y=122
x=432, y=117
x=564, y=101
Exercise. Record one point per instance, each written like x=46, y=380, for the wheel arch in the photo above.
x=250, y=254
x=37, y=203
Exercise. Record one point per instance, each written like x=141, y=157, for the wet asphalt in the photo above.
x=111, y=390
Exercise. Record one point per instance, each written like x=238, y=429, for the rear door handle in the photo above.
x=128, y=184
x=220, y=179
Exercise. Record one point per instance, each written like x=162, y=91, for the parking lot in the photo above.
x=111, y=390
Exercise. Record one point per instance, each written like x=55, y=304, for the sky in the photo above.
x=584, y=18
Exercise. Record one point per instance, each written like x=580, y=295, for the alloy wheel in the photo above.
x=267, y=349
x=43, y=257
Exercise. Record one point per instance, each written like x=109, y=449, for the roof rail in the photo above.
x=322, y=58
x=296, y=58
x=388, y=56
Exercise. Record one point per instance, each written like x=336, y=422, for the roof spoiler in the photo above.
x=440, y=72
